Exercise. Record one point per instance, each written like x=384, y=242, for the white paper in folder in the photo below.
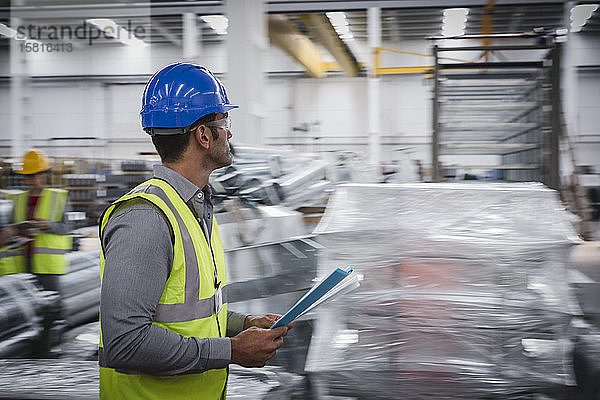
x=339, y=281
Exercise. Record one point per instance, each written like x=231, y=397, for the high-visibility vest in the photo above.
x=48, y=250
x=7, y=261
x=187, y=304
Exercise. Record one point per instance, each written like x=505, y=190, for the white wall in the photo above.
x=584, y=112
x=110, y=111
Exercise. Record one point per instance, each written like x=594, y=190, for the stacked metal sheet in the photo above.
x=244, y=226
x=464, y=292
x=136, y=165
x=264, y=271
x=271, y=176
x=80, y=287
x=22, y=307
x=270, y=278
x=85, y=180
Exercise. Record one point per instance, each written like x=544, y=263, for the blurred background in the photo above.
x=448, y=150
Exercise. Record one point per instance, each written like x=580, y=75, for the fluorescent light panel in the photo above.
x=454, y=21
x=11, y=33
x=580, y=15
x=218, y=23
x=112, y=29
x=340, y=24
x=7, y=31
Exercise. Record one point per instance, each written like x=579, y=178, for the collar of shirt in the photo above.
x=184, y=187
x=190, y=193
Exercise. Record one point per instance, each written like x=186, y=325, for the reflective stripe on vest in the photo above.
x=8, y=261
x=11, y=252
x=187, y=305
x=48, y=250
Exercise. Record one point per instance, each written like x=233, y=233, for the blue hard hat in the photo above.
x=180, y=94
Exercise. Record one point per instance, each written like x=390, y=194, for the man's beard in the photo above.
x=222, y=159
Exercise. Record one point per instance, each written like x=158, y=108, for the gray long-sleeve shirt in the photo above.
x=138, y=248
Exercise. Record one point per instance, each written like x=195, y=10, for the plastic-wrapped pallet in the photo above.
x=22, y=308
x=464, y=293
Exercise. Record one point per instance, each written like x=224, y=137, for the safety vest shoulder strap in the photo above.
x=148, y=192
x=51, y=205
x=140, y=192
x=19, y=199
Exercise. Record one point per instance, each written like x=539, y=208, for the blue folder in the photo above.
x=313, y=295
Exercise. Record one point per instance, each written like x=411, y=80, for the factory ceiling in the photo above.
x=400, y=19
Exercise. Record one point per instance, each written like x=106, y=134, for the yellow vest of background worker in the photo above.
x=187, y=304
x=8, y=264
x=49, y=250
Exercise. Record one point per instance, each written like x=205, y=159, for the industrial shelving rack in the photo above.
x=91, y=193
x=93, y=183
x=503, y=110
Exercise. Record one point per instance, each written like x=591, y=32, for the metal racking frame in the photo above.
x=507, y=109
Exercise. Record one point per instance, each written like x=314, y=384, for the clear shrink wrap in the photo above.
x=464, y=292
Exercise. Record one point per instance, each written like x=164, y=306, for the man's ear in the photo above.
x=201, y=136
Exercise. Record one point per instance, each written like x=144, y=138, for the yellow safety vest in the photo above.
x=187, y=304
x=49, y=250
x=7, y=261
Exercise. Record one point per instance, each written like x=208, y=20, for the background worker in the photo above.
x=6, y=252
x=166, y=331
x=39, y=214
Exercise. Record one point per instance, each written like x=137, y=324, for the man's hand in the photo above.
x=41, y=225
x=261, y=321
x=6, y=234
x=255, y=346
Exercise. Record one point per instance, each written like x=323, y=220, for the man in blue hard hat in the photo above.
x=166, y=332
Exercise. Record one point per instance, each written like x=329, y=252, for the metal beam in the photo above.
x=374, y=88
x=115, y=10
x=320, y=27
x=554, y=142
x=284, y=34
x=491, y=65
x=322, y=6
x=164, y=31
x=202, y=7
x=486, y=28
x=436, y=175
x=495, y=47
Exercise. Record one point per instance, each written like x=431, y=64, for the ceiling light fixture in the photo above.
x=454, y=21
x=580, y=15
x=112, y=29
x=11, y=33
x=7, y=31
x=341, y=25
x=218, y=23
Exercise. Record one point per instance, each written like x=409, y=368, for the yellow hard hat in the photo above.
x=34, y=161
